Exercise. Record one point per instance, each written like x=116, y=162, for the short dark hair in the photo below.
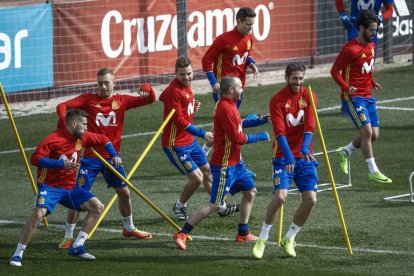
x=74, y=114
x=366, y=17
x=226, y=83
x=182, y=62
x=245, y=12
x=293, y=67
x=104, y=71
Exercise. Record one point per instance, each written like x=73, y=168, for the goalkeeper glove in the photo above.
x=261, y=136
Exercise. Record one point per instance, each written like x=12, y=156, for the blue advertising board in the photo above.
x=26, y=47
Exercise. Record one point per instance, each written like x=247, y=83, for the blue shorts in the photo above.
x=89, y=169
x=231, y=179
x=216, y=97
x=48, y=197
x=187, y=158
x=362, y=111
x=304, y=175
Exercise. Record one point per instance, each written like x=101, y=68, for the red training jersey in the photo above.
x=291, y=115
x=60, y=144
x=105, y=115
x=180, y=98
x=228, y=55
x=228, y=134
x=355, y=62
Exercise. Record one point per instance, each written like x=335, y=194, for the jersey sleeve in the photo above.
x=178, y=117
x=389, y=8
x=339, y=6
x=232, y=128
x=42, y=150
x=341, y=62
x=93, y=139
x=62, y=108
x=277, y=118
x=309, y=124
x=211, y=54
x=136, y=101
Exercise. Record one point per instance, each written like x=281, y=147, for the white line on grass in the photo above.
x=337, y=107
x=207, y=238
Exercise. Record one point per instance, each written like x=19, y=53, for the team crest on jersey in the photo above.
x=41, y=200
x=362, y=117
x=188, y=165
x=249, y=44
x=115, y=105
x=81, y=181
x=235, y=48
x=277, y=180
x=78, y=145
x=302, y=103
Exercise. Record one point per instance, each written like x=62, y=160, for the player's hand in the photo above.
x=352, y=90
x=265, y=117
x=209, y=137
x=308, y=156
x=145, y=90
x=255, y=70
x=377, y=86
x=348, y=22
x=197, y=105
x=116, y=161
x=70, y=166
x=216, y=88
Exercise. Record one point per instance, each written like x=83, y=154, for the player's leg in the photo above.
x=124, y=204
x=81, y=200
x=89, y=169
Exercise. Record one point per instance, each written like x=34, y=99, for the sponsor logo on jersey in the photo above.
x=184, y=157
x=363, y=56
x=239, y=60
x=105, y=121
x=43, y=193
x=287, y=105
x=235, y=48
x=292, y=121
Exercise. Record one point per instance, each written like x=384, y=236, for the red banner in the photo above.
x=138, y=38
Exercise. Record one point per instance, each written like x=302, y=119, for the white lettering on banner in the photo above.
x=105, y=121
x=7, y=49
x=366, y=68
x=199, y=34
x=402, y=23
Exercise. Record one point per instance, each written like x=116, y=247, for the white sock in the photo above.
x=264, y=235
x=372, y=167
x=19, y=250
x=80, y=239
x=179, y=204
x=222, y=208
x=293, y=230
x=349, y=149
x=128, y=223
x=206, y=149
x=69, y=230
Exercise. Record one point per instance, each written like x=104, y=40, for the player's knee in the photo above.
x=123, y=193
x=250, y=194
x=196, y=176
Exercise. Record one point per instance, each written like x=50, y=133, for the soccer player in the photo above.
x=106, y=113
x=229, y=173
x=230, y=55
x=57, y=158
x=349, y=21
x=356, y=62
x=293, y=125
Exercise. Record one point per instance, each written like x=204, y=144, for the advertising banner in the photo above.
x=26, y=47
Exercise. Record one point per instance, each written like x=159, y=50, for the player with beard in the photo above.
x=352, y=71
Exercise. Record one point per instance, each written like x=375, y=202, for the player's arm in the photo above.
x=388, y=10
x=347, y=21
x=208, y=62
x=94, y=139
x=252, y=64
x=63, y=107
x=309, y=127
x=253, y=120
x=199, y=132
x=341, y=61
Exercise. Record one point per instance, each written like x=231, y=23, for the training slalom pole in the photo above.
x=19, y=143
x=114, y=198
x=138, y=192
x=328, y=166
x=280, y=229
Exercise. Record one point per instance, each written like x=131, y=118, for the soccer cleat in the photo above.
x=379, y=178
x=66, y=243
x=343, y=160
x=80, y=252
x=259, y=248
x=229, y=210
x=180, y=212
x=180, y=239
x=141, y=235
x=248, y=237
x=289, y=245
x=16, y=261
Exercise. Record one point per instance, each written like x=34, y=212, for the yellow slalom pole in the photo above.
x=138, y=192
x=280, y=229
x=328, y=166
x=114, y=198
x=16, y=134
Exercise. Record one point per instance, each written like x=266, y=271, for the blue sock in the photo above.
x=187, y=228
x=243, y=229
